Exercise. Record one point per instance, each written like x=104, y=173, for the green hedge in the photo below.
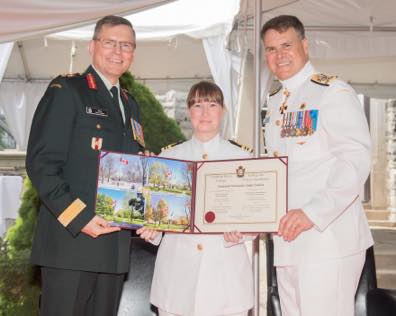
x=19, y=281
x=159, y=130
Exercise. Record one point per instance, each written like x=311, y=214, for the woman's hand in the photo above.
x=147, y=234
x=234, y=237
x=147, y=153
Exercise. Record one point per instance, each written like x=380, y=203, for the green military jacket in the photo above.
x=75, y=118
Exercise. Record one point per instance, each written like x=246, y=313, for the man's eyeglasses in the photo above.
x=126, y=47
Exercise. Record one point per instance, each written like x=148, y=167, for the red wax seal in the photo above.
x=210, y=217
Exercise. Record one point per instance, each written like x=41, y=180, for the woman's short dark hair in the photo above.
x=205, y=91
x=282, y=23
x=112, y=20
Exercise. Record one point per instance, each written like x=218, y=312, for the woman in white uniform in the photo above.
x=202, y=275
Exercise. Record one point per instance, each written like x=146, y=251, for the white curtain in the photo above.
x=19, y=101
x=5, y=53
x=21, y=19
x=246, y=107
x=221, y=64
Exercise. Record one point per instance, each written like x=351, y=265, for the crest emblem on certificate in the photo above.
x=240, y=172
x=137, y=132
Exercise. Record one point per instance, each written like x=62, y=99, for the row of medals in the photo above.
x=299, y=123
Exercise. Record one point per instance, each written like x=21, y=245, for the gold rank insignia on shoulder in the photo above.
x=171, y=145
x=275, y=90
x=55, y=85
x=244, y=147
x=70, y=75
x=323, y=79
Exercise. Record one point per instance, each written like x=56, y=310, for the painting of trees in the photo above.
x=187, y=173
x=104, y=205
x=144, y=169
x=132, y=173
x=163, y=211
x=158, y=174
x=101, y=173
x=109, y=167
x=149, y=214
x=187, y=210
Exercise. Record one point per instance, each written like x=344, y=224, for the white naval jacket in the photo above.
x=326, y=170
x=197, y=275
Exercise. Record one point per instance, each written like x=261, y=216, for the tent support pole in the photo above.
x=24, y=62
x=257, y=150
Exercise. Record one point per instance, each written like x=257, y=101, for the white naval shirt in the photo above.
x=196, y=275
x=326, y=169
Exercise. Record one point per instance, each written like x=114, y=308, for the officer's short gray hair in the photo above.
x=113, y=20
x=282, y=23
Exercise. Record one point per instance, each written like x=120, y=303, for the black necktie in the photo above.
x=114, y=92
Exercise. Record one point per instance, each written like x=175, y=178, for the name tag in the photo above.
x=92, y=110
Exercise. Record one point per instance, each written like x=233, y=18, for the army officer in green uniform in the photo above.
x=83, y=260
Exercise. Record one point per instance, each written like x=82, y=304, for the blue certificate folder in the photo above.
x=135, y=191
x=248, y=195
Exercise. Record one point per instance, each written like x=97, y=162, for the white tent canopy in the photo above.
x=22, y=19
x=344, y=28
x=187, y=17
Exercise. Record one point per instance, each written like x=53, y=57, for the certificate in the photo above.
x=244, y=195
x=247, y=195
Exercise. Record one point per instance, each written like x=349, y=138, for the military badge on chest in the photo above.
x=96, y=111
x=96, y=143
x=137, y=132
x=299, y=123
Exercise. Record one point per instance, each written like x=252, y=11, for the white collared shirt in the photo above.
x=109, y=85
x=215, y=149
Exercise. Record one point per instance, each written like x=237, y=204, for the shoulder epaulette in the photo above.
x=244, y=147
x=55, y=85
x=172, y=145
x=70, y=75
x=275, y=91
x=322, y=79
x=276, y=86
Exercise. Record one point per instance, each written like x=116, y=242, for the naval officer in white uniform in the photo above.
x=202, y=275
x=318, y=122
